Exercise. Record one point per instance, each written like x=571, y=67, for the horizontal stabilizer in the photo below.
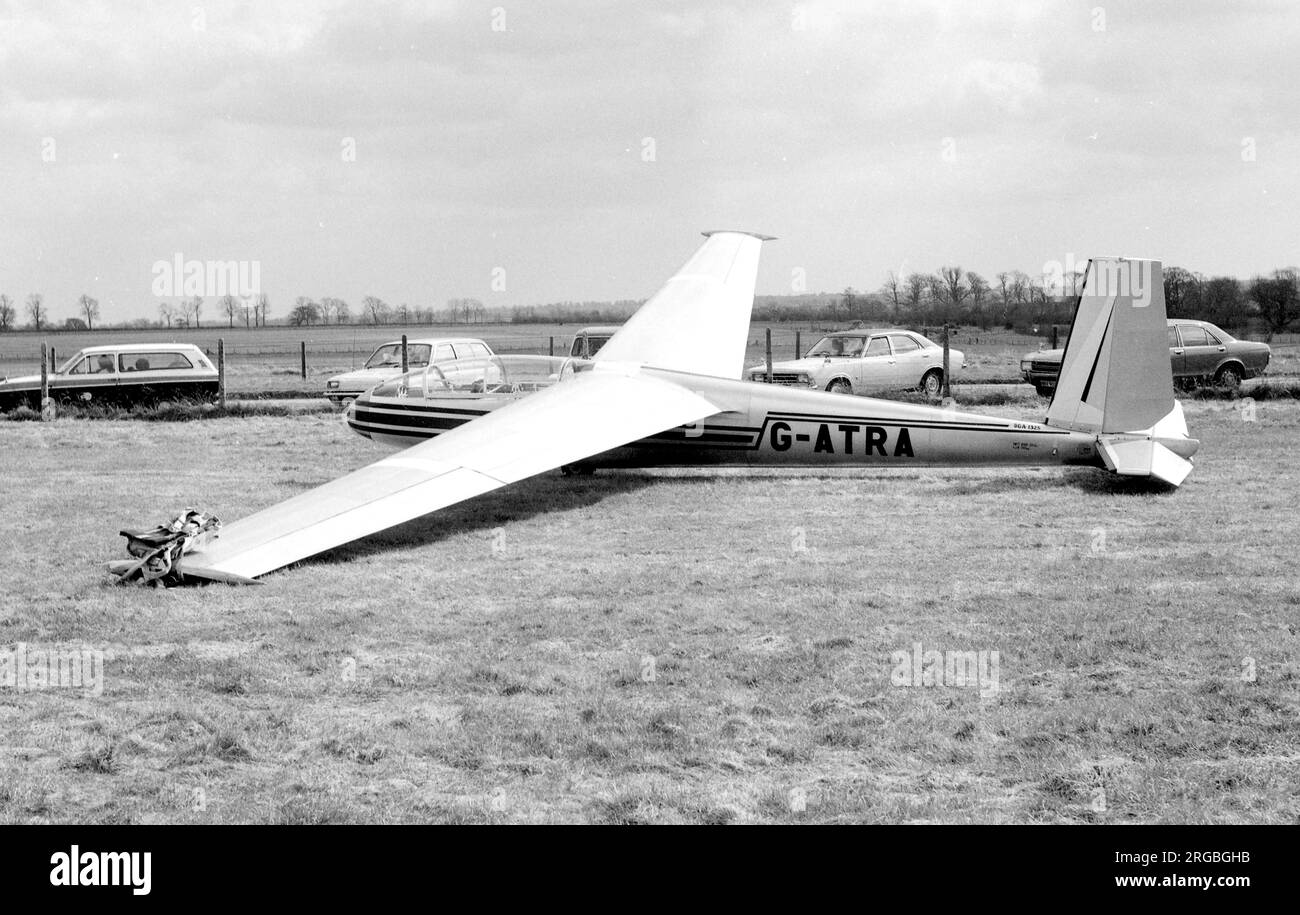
x=1130, y=456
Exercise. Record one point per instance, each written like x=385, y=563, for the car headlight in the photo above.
x=332, y=385
x=1026, y=364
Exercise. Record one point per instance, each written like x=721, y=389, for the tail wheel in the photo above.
x=840, y=386
x=1228, y=377
x=932, y=383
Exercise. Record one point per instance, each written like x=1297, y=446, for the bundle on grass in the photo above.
x=159, y=551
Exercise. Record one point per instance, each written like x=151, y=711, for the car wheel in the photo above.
x=1228, y=377
x=840, y=386
x=932, y=384
x=1043, y=390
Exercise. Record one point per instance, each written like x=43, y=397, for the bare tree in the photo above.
x=261, y=308
x=165, y=313
x=1182, y=293
x=36, y=309
x=7, y=312
x=893, y=288
x=915, y=287
x=375, y=310
x=979, y=293
x=90, y=308
x=1223, y=303
x=305, y=311
x=229, y=306
x=1278, y=298
x=955, y=291
x=194, y=309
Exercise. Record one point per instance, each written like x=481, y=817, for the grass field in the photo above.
x=661, y=647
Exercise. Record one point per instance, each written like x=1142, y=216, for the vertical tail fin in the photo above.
x=1115, y=373
x=1116, y=379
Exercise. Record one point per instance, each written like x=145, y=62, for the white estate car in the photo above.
x=386, y=362
x=858, y=361
x=124, y=374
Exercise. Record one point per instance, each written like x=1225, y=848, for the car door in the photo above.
x=1217, y=350
x=1176, y=358
x=910, y=360
x=1199, y=352
x=92, y=378
x=876, y=368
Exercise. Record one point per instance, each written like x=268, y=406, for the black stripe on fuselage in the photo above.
x=412, y=420
x=962, y=426
x=417, y=408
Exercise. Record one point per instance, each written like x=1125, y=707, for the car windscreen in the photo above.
x=838, y=345
x=390, y=355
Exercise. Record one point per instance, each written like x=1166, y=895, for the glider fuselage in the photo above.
x=770, y=425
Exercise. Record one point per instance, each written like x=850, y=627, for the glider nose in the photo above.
x=350, y=415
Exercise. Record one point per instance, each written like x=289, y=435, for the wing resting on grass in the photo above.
x=697, y=323
x=589, y=414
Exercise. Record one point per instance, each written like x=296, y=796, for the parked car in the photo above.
x=124, y=374
x=386, y=362
x=859, y=361
x=1199, y=353
x=588, y=341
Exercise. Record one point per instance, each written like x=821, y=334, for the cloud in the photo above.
x=863, y=133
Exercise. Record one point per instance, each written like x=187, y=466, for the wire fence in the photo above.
x=309, y=352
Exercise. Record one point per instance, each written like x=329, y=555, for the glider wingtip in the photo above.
x=757, y=235
x=229, y=578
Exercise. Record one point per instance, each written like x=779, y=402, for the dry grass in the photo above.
x=652, y=648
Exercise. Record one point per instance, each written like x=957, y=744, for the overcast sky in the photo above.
x=583, y=147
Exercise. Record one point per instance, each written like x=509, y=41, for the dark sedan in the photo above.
x=1199, y=352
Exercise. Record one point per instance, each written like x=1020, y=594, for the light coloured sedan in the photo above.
x=385, y=363
x=861, y=361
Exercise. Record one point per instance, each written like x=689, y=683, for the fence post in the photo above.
x=404, y=368
x=769, y=355
x=552, y=346
x=303, y=354
x=221, y=372
x=54, y=360
x=46, y=412
x=947, y=387
x=1053, y=336
x=798, y=350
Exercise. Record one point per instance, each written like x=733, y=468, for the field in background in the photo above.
x=666, y=647
x=268, y=359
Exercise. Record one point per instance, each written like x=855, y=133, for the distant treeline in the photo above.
x=1011, y=300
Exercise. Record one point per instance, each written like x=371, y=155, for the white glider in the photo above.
x=663, y=391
